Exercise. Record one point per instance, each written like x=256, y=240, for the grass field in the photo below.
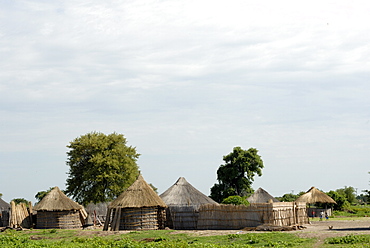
x=192, y=239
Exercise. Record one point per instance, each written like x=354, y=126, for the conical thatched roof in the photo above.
x=183, y=193
x=138, y=195
x=56, y=200
x=261, y=196
x=314, y=195
x=4, y=205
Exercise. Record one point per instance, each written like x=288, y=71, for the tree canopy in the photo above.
x=236, y=176
x=100, y=167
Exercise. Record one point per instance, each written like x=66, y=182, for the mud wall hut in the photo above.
x=183, y=201
x=137, y=208
x=57, y=211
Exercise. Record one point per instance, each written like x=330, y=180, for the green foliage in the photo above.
x=236, y=176
x=349, y=239
x=148, y=239
x=100, y=167
x=21, y=200
x=349, y=193
x=289, y=197
x=236, y=200
x=340, y=199
x=1, y=195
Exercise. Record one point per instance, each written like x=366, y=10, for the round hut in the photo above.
x=183, y=201
x=137, y=208
x=261, y=196
x=4, y=212
x=57, y=211
x=312, y=196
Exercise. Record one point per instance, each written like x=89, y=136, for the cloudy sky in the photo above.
x=185, y=82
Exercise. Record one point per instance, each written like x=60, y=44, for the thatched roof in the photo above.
x=261, y=196
x=138, y=195
x=56, y=200
x=183, y=193
x=4, y=205
x=314, y=195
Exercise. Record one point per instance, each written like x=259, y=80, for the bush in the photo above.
x=236, y=200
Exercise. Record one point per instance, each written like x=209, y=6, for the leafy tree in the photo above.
x=235, y=177
x=236, y=200
x=1, y=195
x=349, y=193
x=100, y=167
x=340, y=199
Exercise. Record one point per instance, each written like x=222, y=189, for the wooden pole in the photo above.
x=107, y=220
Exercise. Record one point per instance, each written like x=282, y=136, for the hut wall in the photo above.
x=315, y=212
x=58, y=219
x=237, y=217
x=4, y=218
x=182, y=217
x=146, y=218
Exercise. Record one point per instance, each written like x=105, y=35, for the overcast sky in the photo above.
x=185, y=82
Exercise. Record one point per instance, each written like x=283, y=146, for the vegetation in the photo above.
x=20, y=200
x=236, y=200
x=150, y=239
x=100, y=167
x=289, y=197
x=235, y=177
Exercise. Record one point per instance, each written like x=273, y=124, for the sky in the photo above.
x=185, y=82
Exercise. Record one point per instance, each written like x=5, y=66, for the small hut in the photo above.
x=261, y=196
x=183, y=201
x=137, y=208
x=57, y=211
x=312, y=196
x=4, y=212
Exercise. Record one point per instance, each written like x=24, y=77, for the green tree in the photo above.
x=1, y=195
x=349, y=193
x=236, y=176
x=340, y=199
x=236, y=200
x=100, y=167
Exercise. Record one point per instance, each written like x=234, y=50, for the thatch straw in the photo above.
x=138, y=195
x=261, y=196
x=4, y=205
x=56, y=200
x=314, y=195
x=183, y=193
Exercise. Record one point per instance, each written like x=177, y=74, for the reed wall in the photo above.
x=58, y=219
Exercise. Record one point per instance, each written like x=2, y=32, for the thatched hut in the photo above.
x=183, y=201
x=57, y=211
x=4, y=212
x=261, y=196
x=312, y=196
x=137, y=208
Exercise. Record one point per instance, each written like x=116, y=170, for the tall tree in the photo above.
x=100, y=167
x=236, y=176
